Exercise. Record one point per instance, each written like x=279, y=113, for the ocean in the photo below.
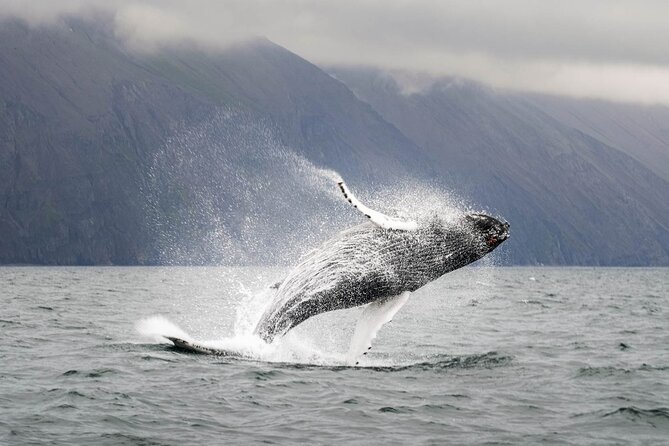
x=487, y=355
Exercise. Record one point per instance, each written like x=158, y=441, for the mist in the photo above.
x=613, y=50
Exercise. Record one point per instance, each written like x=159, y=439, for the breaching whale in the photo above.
x=377, y=263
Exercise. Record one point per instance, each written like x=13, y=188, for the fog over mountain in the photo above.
x=607, y=49
x=198, y=155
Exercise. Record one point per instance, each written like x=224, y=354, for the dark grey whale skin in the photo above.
x=366, y=263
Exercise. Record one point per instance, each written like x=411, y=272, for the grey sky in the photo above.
x=608, y=49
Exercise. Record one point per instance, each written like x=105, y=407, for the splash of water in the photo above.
x=158, y=328
x=200, y=219
x=227, y=191
x=297, y=348
x=244, y=344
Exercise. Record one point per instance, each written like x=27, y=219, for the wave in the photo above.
x=608, y=371
x=639, y=415
x=447, y=362
x=584, y=372
x=440, y=363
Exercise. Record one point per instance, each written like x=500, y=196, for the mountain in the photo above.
x=571, y=197
x=640, y=131
x=190, y=155
x=85, y=124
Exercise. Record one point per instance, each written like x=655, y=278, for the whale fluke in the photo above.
x=192, y=347
x=376, y=217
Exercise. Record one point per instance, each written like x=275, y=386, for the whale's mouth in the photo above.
x=496, y=239
x=494, y=232
x=493, y=240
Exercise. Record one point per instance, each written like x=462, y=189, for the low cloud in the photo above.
x=607, y=49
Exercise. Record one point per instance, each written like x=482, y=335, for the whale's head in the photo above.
x=492, y=231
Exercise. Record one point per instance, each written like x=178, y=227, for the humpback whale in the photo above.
x=376, y=263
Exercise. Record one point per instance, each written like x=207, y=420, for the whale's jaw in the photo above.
x=492, y=230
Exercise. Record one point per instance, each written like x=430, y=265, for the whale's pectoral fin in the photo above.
x=371, y=320
x=375, y=217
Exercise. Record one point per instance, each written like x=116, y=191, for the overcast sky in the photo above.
x=608, y=49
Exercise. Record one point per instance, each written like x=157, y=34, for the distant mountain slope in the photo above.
x=571, y=198
x=640, y=131
x=77, y=119
x=83, y=122
x=310, y=111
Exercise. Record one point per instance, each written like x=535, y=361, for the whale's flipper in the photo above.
x=375, y=217
x=371, y=320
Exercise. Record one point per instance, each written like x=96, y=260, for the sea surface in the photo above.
x=488, y=355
